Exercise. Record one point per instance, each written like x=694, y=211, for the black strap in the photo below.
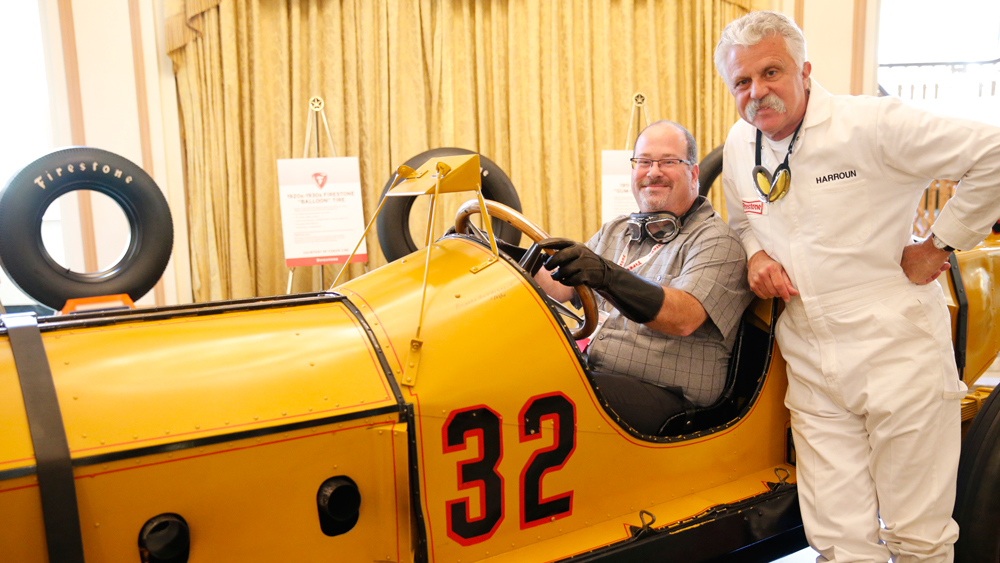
x=48, y=437
x=961, y=317
x=791, y=146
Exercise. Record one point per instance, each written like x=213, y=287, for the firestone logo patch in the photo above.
x=753, y=206
x=320, y=179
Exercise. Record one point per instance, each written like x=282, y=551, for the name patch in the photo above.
x=837, y=176
x=754, y=206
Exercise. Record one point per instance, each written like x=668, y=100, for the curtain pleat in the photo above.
x=539, y=87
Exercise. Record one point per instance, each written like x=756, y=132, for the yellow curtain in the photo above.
x=539, y=87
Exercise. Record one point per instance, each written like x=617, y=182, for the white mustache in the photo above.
x=771, y=101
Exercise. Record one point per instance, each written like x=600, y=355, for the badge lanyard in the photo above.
x=638, y=261
x=602, y=315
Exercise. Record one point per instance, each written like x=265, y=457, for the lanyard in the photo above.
x=639, y=261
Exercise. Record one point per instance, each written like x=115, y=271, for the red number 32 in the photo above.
x=481, y=473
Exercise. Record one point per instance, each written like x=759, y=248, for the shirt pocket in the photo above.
x=842, y=214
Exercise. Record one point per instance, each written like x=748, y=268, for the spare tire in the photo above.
x=977, y=501
x=710, y=169
x=393, y=222
x=29, y=193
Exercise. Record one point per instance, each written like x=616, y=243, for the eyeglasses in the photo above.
x=662, y=226
x=772, y=188
x=646, y=163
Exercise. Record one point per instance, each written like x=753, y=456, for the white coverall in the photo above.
x=873, y=389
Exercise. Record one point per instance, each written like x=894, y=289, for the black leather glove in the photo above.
x=637, y=298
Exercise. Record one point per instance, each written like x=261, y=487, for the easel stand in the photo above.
x=638, y=101
x=312, y=122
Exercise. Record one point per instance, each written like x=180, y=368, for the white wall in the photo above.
x=105, y=49
x=829, y=29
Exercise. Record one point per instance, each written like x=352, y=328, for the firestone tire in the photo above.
x=29, y=193
x=977, y=505
x=393, y=222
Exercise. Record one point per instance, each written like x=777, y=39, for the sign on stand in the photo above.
x=616, y=168
x=616, y=185
x=321, y=214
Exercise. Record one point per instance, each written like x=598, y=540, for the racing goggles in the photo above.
x=772, y=188
x=662, y=226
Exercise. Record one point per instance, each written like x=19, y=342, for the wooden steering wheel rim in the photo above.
x=535, y=233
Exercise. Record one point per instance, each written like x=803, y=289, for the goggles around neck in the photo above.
x=661, y=226
x=772, y=188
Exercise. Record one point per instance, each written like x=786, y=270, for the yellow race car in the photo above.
x=436, y=409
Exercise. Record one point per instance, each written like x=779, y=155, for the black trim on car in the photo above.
x=106, y=318
x=386, y=369
x=212, y=440
x=420, y=549
x=761, y=528
x=962, y=316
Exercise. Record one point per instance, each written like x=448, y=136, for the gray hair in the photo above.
x=692, y=147
x=753, y=28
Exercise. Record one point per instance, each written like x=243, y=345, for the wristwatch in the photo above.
x=940, y=244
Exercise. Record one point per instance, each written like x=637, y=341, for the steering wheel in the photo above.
x=588, y=323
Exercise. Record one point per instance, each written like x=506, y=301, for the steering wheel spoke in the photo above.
x=476, y=232
x=566, y=311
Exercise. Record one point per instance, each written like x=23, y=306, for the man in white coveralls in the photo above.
x=822, y=191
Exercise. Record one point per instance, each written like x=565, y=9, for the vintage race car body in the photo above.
x=232, y=416
x=493, y=446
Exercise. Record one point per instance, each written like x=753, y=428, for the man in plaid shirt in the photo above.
x=672, y=282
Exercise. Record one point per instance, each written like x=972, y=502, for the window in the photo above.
x=942, y=59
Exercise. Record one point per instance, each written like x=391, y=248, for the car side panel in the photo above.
x=492, y=357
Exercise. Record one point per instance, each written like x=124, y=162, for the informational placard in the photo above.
x=321, y=214
x=616, y=185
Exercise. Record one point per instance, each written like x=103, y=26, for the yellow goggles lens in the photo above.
x=780, y=186
x=763, y=183
x=771, y=189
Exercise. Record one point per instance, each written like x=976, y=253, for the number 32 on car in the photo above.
x=482, y=473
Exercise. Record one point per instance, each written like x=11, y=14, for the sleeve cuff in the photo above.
x=949, y=229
